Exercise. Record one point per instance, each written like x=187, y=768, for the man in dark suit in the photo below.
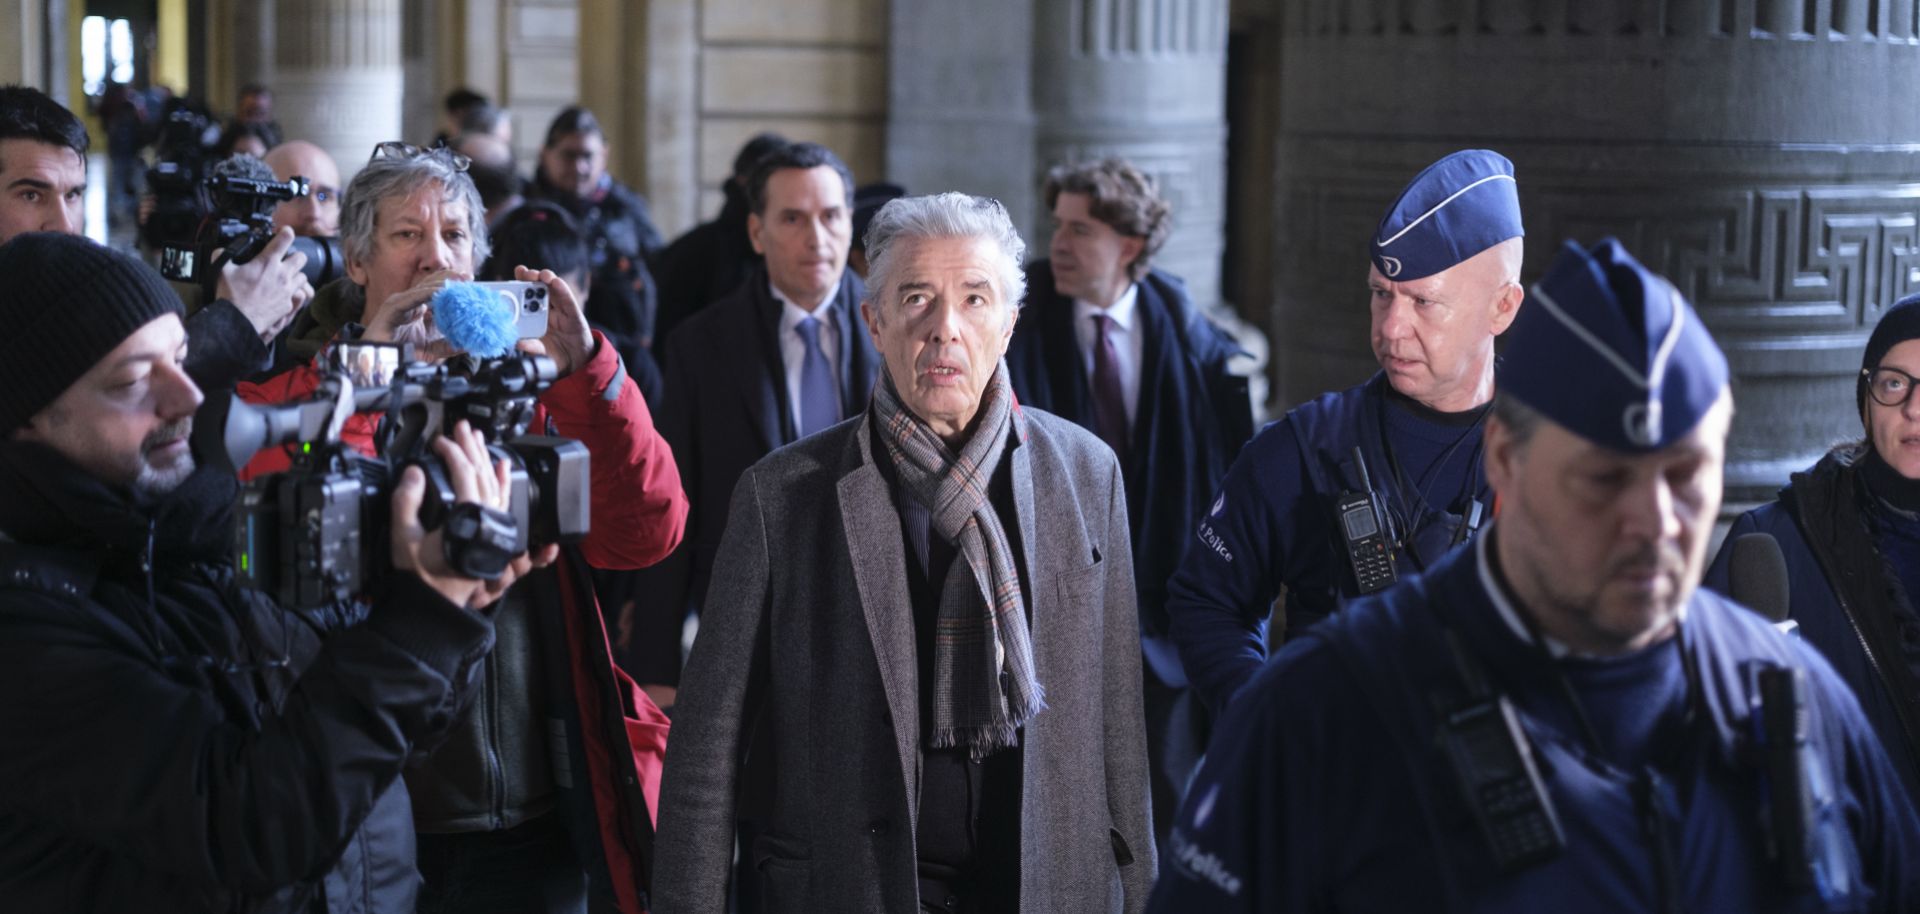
x=927, y=618
x=779, y=359
x=712, y=258
x=1118, y=347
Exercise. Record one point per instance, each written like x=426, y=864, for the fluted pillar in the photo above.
x=1145, y=80
x=960, y=101
x=1754, y=151
x=338, y=75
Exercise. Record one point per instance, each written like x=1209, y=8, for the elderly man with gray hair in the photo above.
x=928, y=620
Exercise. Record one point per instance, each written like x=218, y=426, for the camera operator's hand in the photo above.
x=269, y=289
x=569, y=341
x=383, y=320
x=476, y=478
x=524, y=562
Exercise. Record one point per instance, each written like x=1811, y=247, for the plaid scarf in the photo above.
x=984, y=686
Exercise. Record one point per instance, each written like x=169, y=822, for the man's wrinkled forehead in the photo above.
x=928, y=264
x=311, y=163
x=421, y=204
x=20, y=156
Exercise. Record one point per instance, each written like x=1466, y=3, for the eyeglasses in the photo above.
x=394, y=149
x=1888, y=386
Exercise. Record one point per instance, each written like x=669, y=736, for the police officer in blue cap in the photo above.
x=1555, y=718
x=1360, y=488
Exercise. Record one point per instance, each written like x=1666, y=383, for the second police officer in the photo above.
x=1359, y=487
x=1555, y=718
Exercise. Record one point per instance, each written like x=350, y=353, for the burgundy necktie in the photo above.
x=1109, y=404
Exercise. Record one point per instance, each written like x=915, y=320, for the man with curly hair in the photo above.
x=1118, y=347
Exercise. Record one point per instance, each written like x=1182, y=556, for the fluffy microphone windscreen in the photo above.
x=475, y=319
x=237, y=166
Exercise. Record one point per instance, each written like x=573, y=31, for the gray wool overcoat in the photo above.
x=809, y=623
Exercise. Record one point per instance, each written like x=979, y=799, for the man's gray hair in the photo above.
x=398, y=176
x=948, y=215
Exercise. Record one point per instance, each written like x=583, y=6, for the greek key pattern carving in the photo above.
x=1800, y=20
x=1113, y=29
x=1818, y=259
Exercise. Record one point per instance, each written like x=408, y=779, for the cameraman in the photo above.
x=175, y=742
x=542, y=796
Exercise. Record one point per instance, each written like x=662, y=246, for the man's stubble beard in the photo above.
x=154, y=481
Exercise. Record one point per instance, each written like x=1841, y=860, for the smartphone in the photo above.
x=529, y=302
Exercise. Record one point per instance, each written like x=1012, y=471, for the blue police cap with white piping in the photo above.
x=1611, y=351
x=1456, y=208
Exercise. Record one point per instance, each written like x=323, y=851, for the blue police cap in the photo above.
x=1456, y=208
x=1612, y=352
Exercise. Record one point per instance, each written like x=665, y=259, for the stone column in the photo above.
x=960, y=101
x=33, y=50
x=1145, y=80
x=337, y=75
x=1754, y=151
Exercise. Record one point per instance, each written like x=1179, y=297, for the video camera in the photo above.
x=319, y=532
x=237, y=216
x=186, y=142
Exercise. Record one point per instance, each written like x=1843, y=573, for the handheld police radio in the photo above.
x=1368, y=551
x=1494, y=766
x=1781, y=724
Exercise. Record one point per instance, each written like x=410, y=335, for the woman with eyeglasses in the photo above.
x=1849, y=531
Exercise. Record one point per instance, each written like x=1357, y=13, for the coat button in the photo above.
x=877, y=827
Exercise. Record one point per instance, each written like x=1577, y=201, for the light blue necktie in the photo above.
x=819, y=390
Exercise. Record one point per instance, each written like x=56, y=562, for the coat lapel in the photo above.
x=1066, y=365
x=1017, y=451
x=1160, y=391
x=855, y=362
x=766, y=399
x=878, y=552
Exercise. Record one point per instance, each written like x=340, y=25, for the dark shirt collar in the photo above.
x=1894, y=490
x=1426, y=413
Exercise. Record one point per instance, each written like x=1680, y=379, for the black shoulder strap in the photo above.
x=1404, y=712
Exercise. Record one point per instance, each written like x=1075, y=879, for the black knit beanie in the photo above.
x=65, y=303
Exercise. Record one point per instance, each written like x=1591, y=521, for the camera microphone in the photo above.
x=1757, y=576
x=475, y=319
x=243, y=166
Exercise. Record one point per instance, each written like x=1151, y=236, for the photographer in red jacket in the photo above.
x=542, y=796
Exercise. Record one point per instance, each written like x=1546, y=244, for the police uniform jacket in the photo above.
x=1329, y=790
x=1274, y=522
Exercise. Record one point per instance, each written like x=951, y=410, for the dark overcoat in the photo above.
x=1193, y=417
x=725, y=406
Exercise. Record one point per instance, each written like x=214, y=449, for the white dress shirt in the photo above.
x=793, y=348
x=1129, y=335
